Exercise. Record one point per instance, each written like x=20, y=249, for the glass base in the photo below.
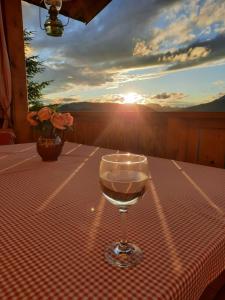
x=123, y=255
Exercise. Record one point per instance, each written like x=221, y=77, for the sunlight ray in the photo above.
x=65, y=182
x=197, y=187
x=26, y=149
x=4, y=156
x=96, y=223
x=17, y=164
x=175, y=259
x=73, y=149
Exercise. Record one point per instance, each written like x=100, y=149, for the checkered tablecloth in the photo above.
x=54, y=226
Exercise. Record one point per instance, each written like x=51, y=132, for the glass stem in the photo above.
x=123, y=221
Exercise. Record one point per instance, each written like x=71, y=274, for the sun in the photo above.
x=131, y=98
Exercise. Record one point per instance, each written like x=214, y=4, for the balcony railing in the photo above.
x=193, y=137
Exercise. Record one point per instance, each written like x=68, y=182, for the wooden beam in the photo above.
x=13, y=23
x=81, y=10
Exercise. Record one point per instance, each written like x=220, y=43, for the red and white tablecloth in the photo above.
x=54, y=226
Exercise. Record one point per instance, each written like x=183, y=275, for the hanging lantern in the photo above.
x=53, y=26
x=55, y=3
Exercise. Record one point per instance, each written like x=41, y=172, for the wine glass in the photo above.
x=123, y=179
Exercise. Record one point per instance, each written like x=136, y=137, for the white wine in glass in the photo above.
x=123, y=179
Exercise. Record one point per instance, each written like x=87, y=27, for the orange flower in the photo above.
x=44, y=114
x=57, y=121
x=68, y=119
x=47, y=120
x=30, y=119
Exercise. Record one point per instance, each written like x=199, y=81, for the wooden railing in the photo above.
x=193, y=137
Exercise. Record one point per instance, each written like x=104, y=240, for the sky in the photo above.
x=167, y=52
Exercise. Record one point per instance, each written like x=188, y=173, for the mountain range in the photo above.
x=217, y=105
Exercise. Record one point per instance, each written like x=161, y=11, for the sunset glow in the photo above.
x=131, y=98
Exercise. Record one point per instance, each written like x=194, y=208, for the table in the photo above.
x=55, y=225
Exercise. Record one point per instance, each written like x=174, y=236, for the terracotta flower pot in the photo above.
x=49, y=148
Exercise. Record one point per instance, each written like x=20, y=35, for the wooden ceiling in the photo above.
x=81, y=10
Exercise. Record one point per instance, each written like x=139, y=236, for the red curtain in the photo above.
x=5, y=76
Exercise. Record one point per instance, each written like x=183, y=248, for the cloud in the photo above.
x=195, y=54
x=214, y=97
x=129, y=35
x=219, y=83
x=168, y=99
x=111, y=98
x=211, y=12
x=177, y=33
x=191, y=54
x=168, y=96
x=164, y=98
x=158, y=101
x=67, y=72
x=184, y=24
x=67, y=77
x=208, y=52
x=219, y=95
x=125, y=77
x=102, y=40
x=60, y=100
x=142, y=49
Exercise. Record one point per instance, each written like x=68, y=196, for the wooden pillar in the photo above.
x=13, y=25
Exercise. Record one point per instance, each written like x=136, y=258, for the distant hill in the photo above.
x=217, y=105
x=105, y=107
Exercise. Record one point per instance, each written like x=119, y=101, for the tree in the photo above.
x=33, y=67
